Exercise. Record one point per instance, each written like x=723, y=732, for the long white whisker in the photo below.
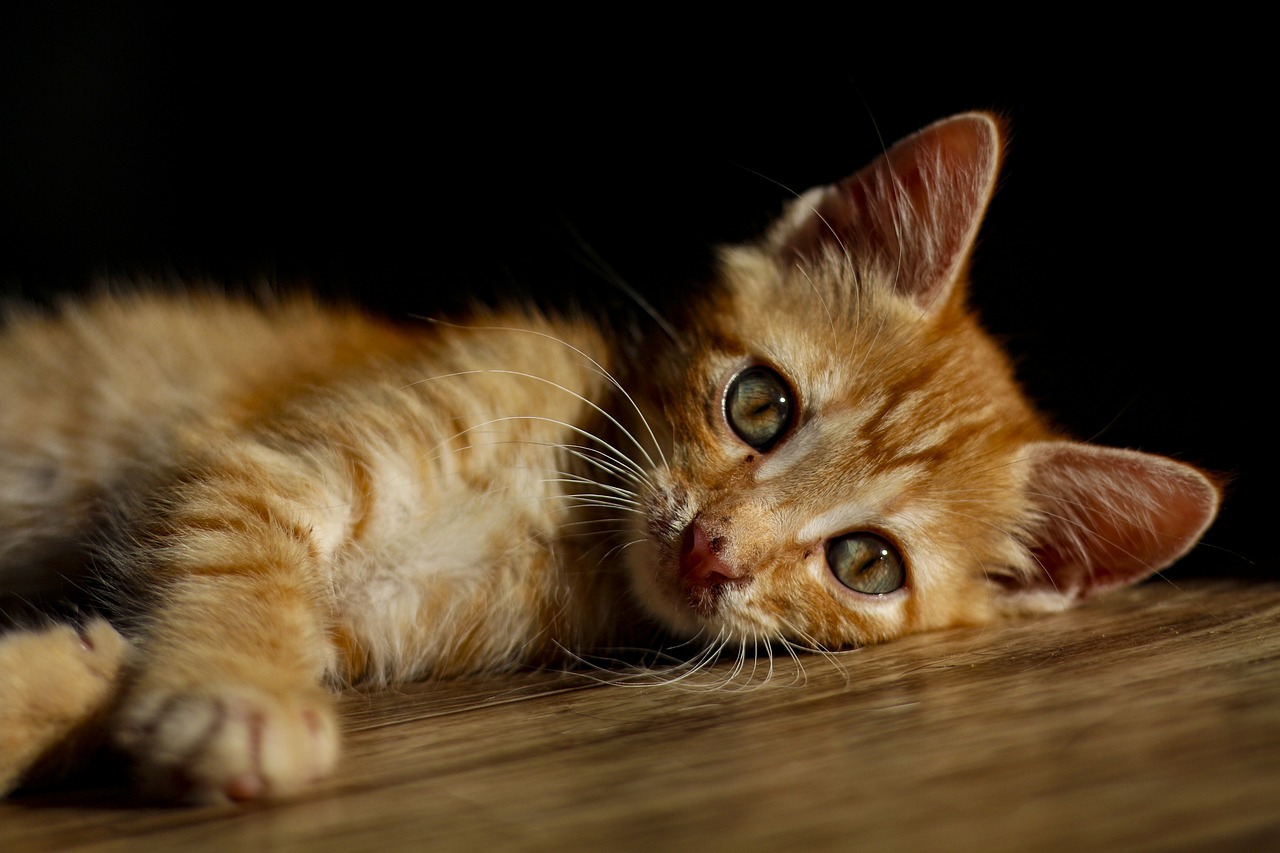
x=606, y=464
x=599, y=369
x=568, y=426
x=584, y=521
x=600, y=504
x=553, y=384
x=624, y=493
x=618, y=549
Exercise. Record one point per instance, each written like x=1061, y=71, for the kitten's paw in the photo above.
x=209, y=744
x=56, y=687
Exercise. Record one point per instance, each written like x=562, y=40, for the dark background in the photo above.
x=409, y=167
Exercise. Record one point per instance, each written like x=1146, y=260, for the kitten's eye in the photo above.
x=866, y=563
x=759, y=405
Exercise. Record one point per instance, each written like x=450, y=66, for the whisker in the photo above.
x=618, y=281
x=605, y=463
x=553, y=384
x=596, y=499
x=571, y=427
x=614, y=490
x=599, y=369
x=619, y=548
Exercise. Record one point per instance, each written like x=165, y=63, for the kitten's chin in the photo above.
x=652, y=585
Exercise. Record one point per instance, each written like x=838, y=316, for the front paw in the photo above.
x=213, y=743
x=56, y=689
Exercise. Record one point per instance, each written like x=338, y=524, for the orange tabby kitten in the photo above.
x=826, y=450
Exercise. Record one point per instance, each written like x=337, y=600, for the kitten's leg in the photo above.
x=57, y=685
x=226, y=700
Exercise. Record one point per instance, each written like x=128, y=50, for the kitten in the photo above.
x=823, y=450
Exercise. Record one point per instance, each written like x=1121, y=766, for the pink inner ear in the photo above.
x=914, y=211
x=1112, y=517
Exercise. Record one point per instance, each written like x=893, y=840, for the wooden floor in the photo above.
x=1150, y=721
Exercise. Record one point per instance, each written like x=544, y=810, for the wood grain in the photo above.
x=1147, y=721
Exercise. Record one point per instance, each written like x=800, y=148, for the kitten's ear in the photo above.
x=914, y=212
x=1108, y=518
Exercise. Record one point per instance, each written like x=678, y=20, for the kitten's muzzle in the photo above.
x=704, y=575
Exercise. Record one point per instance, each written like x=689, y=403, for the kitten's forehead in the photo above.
x=894, y=402
x=815, y=316
x=845, y=340
x=895, y=406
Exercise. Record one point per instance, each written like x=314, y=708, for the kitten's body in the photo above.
x=285, y=498
x=352, y=431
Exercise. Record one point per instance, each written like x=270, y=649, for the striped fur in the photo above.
x=270, y=501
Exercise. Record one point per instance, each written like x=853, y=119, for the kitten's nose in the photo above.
x=701, y=568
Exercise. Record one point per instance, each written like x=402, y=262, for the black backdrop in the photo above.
x=409, y=167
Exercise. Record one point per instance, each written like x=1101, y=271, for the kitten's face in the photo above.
x=835, y=479
x=851, y=459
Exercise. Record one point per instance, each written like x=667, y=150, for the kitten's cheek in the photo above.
x=654, y=586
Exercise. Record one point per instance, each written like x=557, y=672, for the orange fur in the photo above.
x=289, y=497
x=56, y=688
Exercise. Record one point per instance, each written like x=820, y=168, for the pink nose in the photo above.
x=700, y=565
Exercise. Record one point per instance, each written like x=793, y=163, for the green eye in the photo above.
x=866, y=563
x=759, y=406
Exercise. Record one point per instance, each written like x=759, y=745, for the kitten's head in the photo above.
x=851, y=458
